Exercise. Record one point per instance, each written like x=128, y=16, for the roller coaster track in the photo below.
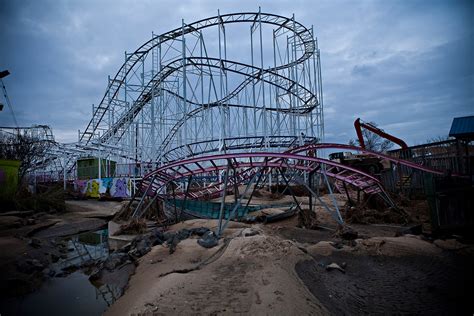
x=304, y=35
x=291, y=143
x=337, y=171
x=227, y=145
x=242, y=158
x=155, y=183
x=397, y=161
x=307, y=98
x=232, y=144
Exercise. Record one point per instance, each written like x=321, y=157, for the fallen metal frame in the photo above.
x=185, y=168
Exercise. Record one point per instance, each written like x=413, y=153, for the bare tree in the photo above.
x=24, y=148
x=373, y=141
x=437, y=139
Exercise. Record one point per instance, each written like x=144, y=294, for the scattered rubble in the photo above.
x=346, y=232
x=449, y=244
x=307, y=219
x=208, y=240
x=176, y=254
x=334, y=266
x=364, y=215
x=250, y=231
x=135, y=226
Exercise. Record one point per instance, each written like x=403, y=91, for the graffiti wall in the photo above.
x=112, y=187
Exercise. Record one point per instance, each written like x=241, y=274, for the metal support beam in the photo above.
x=224, y=191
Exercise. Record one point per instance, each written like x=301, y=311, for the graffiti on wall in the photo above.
x=80, y=186
x=112, y=187
x=121, y=188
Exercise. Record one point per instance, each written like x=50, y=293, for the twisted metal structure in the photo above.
x=247, y=166
x=186, y=86
x=208, y=110
x=244, y=169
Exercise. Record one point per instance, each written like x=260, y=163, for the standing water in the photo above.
x=68, y=294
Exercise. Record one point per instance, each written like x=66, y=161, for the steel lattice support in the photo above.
x=185, y=86
x=228, y=100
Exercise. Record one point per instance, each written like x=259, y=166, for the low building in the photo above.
x=88, y=168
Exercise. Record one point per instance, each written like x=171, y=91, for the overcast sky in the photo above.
x=407, y=65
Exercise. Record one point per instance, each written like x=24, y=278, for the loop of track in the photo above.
x=304, y=35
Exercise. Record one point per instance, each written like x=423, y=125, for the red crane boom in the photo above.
x=358, y=125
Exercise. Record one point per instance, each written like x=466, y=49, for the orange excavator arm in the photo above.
x=358, y=127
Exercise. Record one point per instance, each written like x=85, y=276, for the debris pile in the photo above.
x=365, y=215
x=136, y=226
x=307, y=219
x=346, y=233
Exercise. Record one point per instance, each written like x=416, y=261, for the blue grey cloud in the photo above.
x=406, y=65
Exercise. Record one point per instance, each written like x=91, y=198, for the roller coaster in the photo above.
x=236, y=98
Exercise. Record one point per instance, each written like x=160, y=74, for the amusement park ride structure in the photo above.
x=179, y=88
x=189, y=88
x=203, y=99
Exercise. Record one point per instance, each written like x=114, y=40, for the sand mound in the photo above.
x=396, y=246
x=208, y=223
x=245, y=275
x=322, y=248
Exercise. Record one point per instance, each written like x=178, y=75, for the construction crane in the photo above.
x=3, y=74
x=367, y=163
x=358, y=127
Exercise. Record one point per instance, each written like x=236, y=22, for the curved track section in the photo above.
x=305, y=36
x=291, y=142
x=246, y=166
x=231, y=144
x=397, y=161
x=302, y=95
x=177, y=89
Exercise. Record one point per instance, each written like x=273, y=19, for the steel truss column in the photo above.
x=287, y=182
x=185, y=84
x=224, y=191
x=238, y=201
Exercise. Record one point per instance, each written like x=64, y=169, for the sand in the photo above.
x=252, y=275
x=282, y=270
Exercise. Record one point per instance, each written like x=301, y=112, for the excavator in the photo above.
x=369, y=164
x=358, y=127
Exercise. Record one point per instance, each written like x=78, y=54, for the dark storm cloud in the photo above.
x=363, y=70
x=406, y=65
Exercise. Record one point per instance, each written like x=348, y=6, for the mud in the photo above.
x=276, y=268
x=415, y=284
x=302, y=235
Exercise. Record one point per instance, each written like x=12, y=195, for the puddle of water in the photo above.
x=72, y=294
x=83, y=248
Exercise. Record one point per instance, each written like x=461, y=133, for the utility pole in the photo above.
x=3, y=74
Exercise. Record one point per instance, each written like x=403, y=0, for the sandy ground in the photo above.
x=270, y=269
x=400, y=275
x=282, y=269
x=242, y=275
